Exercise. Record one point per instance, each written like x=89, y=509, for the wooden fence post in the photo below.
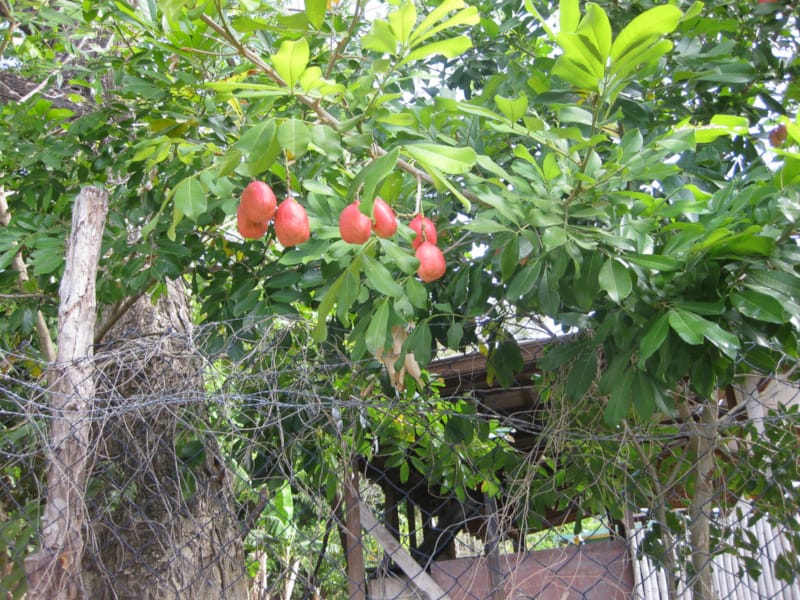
x=54, y=571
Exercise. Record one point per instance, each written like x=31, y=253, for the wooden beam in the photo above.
x=400, y=556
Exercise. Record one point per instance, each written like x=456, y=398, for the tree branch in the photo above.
x=45, y=339
x=314, y=104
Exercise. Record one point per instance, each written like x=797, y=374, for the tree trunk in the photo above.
x=53, y=572
x=164, y=517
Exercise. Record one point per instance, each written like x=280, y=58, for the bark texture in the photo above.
x=53, y=572
x=164, y=523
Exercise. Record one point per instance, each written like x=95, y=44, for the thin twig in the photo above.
x=314, y=104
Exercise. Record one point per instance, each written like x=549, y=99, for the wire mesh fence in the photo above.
x=242, y=461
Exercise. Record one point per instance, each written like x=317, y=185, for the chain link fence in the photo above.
x=243, y=461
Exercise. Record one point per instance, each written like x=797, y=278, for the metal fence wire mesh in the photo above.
x=243, y=461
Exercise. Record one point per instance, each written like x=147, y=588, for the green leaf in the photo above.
x=655, y=262
x=255, y=140
x=380, y=39
x=190, y=198
x=553, y=237
x=523, y=281
x=779, y=281
x=619, y=402
x=569, y=15
x=419, y=342
x=643, y=392
x=315, y=11
x=320, y=332
x=513, y=108
x=426, y=29
x=689, y=326
x=401, y=21
x=291, y=60
x=583, y=63
x=655, y=335
x=370, y=177
x=595, y=31
x=449, y=48
x=294, y=136
x=378, y=329
x=615, y=279
x=759, y=306
x=447, y=159
x=417, y=293
x=404, y=261
x=644, y=30
x=581, y=375
x=380, y=279
x=454, y=335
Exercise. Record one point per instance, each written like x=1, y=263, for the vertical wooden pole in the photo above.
x=354, y=549
x=54, y=572
x=493, y=548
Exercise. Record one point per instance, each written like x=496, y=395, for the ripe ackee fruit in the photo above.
x=431, y=262
x=258, y=202
x=354, y=226
x=425, y=229
x=384, y=222
x=250, y=229
x=291, y=223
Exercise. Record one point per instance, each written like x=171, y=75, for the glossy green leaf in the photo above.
x=693, y=328
x=448, y=159
x=689, y=326
x=757, y=305
x=513, y=108
x=380, y=38
x=399, y=257
x=291, y=60
x=569, y=15
x=380, y=279
x=190, y=198
x=655, y=262
x=615, y=279
x=644, y=30
x=524, y=281
x=294, y=136
x=378, y=328
x=365, y=184
x=581, y=375
x=449, y=48
x=252, y=142
x=315, y=11
x=401, y=21
x=778, y=281
x=655, y=335
x=427, y=28
x=620, y=399
x=419, y=342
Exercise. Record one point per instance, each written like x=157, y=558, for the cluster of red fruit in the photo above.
x=355, y=228
x=258, y=206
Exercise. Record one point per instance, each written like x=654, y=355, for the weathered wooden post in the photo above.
x=54, y=571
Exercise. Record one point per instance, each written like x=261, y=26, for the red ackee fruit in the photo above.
x=354, y=226
x=291, y=223
x=258, y=202
x=425, y=230
x=250, y=229
x=431, y=262
x=384, y=223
